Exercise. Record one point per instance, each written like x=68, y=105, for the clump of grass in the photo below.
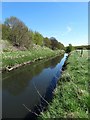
x=65, y=77
x=71, y=98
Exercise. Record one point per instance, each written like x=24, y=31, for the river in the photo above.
x=27, y=85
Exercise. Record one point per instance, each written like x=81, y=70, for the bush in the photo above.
x=68, y=48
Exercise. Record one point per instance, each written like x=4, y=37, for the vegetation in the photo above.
x=14, y=58
x=21, y=45
x=38, y=38
x=15, y=31
x=55, y=44
x=82, y=47
x=69, y=48
x=47, y=42
x=71, y=97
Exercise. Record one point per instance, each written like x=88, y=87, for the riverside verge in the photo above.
x=15, y=59
x=71, y=97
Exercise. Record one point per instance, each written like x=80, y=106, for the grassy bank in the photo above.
x=71, y=95
x=16, y=58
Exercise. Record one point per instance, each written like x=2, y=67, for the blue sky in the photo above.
x=66, y=21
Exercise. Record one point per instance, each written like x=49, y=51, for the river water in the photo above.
x=25, y=86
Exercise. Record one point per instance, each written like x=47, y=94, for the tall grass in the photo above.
x=18, y=57
x=71, y=99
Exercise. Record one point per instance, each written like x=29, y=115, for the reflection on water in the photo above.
x=18, y=88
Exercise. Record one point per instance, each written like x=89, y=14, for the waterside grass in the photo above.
x=71, y=96
x=16, y=58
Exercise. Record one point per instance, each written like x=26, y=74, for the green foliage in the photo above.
x=69, y=48
x=60, y=46
x=55, y=44
x=38, y=38
x=5, y=32
x=17, y=32
x=19, y=35
x=47, y=42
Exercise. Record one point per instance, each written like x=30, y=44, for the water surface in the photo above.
x=19, y=86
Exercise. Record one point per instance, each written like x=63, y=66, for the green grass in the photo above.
x=71, y=97
x=18, y=57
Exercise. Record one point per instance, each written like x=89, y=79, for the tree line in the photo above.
x=14, y=30
x=82, y=47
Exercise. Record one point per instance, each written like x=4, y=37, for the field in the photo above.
x=71, y=96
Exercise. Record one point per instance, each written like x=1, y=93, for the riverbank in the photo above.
x=15, y=59
x=71, y=95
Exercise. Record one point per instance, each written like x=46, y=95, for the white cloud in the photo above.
x=69, y=29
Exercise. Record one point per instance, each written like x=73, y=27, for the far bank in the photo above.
x=14, y=59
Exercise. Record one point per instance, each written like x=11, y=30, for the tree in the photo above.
x=69, y=48
x=60, y=46
x=19, y=34
x=38, y=38
x=5, y=32
x=47, y=42
x=54, y=43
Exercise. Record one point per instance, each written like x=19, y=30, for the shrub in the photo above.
x=68, y=48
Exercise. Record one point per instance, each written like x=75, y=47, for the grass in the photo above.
x=13, y=58
x=71, y=97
